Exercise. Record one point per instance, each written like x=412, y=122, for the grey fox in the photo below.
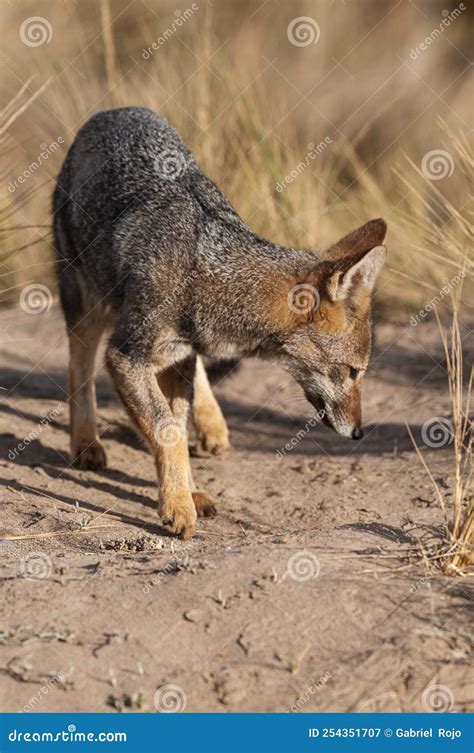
x=149, y=249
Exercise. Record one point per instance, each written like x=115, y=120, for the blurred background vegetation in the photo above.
x=248, y=103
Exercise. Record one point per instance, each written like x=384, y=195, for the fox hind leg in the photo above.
x=85, y=327
x=86, y=448
x=211, y=428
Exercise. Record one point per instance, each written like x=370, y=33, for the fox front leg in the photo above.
x=176, y=384
x=165, y=431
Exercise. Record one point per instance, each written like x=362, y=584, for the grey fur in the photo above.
x=140, y=230
x=136, y=236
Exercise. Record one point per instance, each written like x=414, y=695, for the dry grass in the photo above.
x=462, y=523
x=248, y=103
x=7, y=536
x=457, y=556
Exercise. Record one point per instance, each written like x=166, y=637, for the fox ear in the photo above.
x=355, y=274
x=356, y=260
x=360, y=241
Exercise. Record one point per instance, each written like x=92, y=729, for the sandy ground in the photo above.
x=304, y=593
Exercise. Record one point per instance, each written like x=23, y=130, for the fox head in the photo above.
x=327, y=340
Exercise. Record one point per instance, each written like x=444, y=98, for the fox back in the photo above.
x=130, y=193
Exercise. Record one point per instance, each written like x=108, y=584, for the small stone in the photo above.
x=40, y=470
x=194, y=615
x=233, y=697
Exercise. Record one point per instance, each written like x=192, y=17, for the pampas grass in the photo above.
x=458, y=548
x=249, y=104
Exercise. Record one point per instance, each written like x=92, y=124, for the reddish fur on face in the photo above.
x=325, y=346
x=331, y=317
x=350, y=405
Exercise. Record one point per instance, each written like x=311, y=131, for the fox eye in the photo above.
x=353, y=373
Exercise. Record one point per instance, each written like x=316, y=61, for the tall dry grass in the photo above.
x=248, y=103
x=461, y=526
x=457, y=552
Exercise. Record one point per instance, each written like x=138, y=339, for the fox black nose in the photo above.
x=357, y=433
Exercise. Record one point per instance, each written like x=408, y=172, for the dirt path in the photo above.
x=298, y=595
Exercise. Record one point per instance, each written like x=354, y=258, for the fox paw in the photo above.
x=213, y=440
x=204, y=505
x=89, y=456
x=179, y=515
